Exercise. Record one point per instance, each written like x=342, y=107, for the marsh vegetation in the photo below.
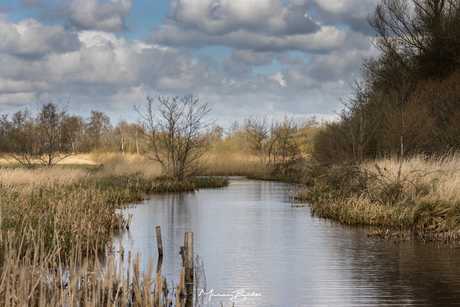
x=390, y=159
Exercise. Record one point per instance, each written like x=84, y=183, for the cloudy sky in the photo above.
x=243, y=57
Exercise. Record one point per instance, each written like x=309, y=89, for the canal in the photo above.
x=258, y=249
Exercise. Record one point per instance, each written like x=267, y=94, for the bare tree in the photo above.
x=122, y=130
x=21, y=138
x=175, y=132
x=422, y=35
x=257, y=129
x=72, y=131
x=52, y=146
x=288, y=150
x=98, y=128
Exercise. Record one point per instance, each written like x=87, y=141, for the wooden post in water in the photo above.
x=159, y=242
x=189, y=280
x=160, y=249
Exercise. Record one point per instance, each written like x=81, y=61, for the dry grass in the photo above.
x=43, y=278
x=127, y=165
x=24, y=180
x=57, y=221
x=78, y=159
x=231, y=164
x=427, y=195
x=112, y=165
x=421, y=177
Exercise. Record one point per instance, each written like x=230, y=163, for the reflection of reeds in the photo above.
x=427, y=196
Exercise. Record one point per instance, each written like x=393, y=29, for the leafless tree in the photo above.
x=21, y=138
x=52, y=145
x=72, y=131
x=258, y=132
x=287, y=148
x=98, y=128
x=175, y=132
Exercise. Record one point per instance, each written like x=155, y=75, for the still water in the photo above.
x=259, y=250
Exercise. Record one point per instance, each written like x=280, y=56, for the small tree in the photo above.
x=258, y=132
x=52, y=145
x=21, y=138
x=97, y=129
x=175, y=132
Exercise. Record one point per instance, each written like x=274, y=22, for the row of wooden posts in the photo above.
x=186, y=252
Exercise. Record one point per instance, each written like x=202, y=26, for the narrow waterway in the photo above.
x=259, y=250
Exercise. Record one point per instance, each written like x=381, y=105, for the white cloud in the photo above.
x=29, y=39
x=91, y=65
x=90, y=14
x=218, y=17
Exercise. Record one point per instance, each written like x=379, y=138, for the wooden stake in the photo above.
x=160, y=250
x=189, y=280
x=159, y=242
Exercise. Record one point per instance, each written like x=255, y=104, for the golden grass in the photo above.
x=426, y=197
x=437, y=178
x=58, y=220
x=128, y=164
x=78, y=159
x=25, y=179
x=231, y=164
x=43, y=278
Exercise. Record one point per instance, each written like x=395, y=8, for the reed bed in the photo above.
x=128, y=165
x=43, y=278
x=231, y=164
x=426, y=196
x=59, y=221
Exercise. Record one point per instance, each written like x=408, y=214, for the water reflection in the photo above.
x=251, y=238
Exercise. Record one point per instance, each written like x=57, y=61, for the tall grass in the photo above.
x=41, y=277
x=127, y=165
x=58, y=221
x=231, y=164
x=427, y=196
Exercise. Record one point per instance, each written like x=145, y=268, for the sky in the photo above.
x=242, y=57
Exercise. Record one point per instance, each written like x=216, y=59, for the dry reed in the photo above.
x=57, y=221
x=427, y=196
x=231, y=164
x=43, y=278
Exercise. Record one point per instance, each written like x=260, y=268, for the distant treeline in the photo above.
x=408, y=99
x=52, y=134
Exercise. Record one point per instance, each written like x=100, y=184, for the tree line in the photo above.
x=407, y=101
x=173, y=131
x=52, y=134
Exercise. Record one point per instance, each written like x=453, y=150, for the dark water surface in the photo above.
x=251, y=239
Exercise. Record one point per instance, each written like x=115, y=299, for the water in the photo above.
x=252, y=240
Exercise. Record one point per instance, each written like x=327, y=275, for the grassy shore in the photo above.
x=56, y=222
x=425, y=197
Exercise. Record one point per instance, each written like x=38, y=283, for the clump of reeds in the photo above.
x=231, y=164
x=424, y=195
x=128, y=165
x=60, y=212
x=41, y=277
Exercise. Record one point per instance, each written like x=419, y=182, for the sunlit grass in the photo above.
x=427, y=195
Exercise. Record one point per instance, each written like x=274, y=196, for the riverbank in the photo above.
x=424, y=197
x=58, y=199
x=56, y=222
